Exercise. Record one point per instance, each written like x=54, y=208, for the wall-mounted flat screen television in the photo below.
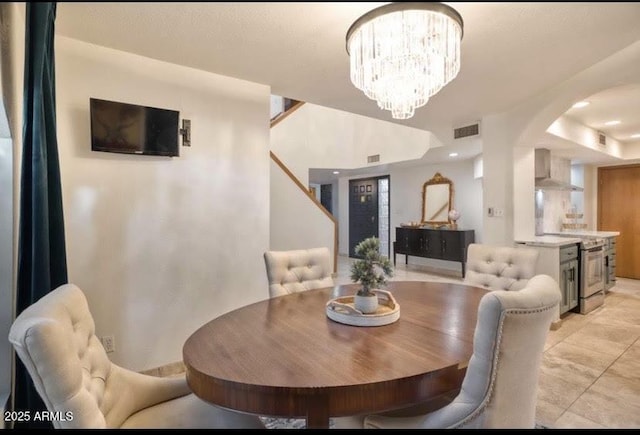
x=128, y=128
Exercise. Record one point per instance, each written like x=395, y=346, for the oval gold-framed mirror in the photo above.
x=437, y=199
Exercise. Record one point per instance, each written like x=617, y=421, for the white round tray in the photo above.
x=342, y=310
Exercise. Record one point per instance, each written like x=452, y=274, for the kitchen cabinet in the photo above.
x=443, y=244
x=558, y=257
x=568, y=277
x=609, y=250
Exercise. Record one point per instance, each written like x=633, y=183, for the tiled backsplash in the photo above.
x=556, y=204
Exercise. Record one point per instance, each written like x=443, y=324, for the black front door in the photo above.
x=363, y=211
x=325, y=196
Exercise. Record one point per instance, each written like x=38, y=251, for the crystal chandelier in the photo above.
x=403, y=53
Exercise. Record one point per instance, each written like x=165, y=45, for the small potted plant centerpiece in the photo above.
x=371, y=271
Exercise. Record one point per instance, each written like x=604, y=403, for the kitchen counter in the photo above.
x=549, y=240
x=586, y=233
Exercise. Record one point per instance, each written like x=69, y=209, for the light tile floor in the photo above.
x=590, y=373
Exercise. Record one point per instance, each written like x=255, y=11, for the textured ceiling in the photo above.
x=510, y=51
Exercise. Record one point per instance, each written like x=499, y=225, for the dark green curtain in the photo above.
x=42, y=264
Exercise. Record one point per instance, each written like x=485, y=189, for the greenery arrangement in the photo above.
x=373, y=269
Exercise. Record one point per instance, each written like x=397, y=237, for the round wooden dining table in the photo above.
x=283, y=357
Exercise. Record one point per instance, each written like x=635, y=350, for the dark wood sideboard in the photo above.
x=441, y=244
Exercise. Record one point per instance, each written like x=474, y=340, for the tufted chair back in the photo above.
x=500, y=267
x=298, y=270
x=55, y=340
x=501, y=383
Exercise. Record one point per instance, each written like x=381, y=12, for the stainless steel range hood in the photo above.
x=543, y=174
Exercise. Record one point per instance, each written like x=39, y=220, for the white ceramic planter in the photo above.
x=366, y=304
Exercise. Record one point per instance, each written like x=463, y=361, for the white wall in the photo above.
x=405, y=185
x=296, y=221
x=567, y=128
x=478, y=167
x=590, y=196
x=632, y=152
x=524, y=201
x=162, y=245
x=320, y=137
x=499, y=181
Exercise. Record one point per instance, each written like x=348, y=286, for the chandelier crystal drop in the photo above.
x=403, y=53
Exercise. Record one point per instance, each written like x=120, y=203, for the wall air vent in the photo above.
x=469, y=130
x=602, y=139
x=373, y=159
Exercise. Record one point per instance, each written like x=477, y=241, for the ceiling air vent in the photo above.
x=469, y=130
x=373, y=159
x=602, y=139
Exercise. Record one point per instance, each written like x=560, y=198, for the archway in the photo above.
x=520, y=129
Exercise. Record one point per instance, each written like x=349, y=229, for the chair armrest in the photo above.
x=143, y=391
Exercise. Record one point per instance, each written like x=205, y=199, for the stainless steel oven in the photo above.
x=592, y=279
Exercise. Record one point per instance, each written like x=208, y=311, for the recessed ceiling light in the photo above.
x=453, y=155
x=336, y=172
x=616, y=122
x=635, y=136
x=580, y=104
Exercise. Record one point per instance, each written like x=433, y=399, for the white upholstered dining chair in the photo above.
x=501, y=382
x=55, y=339
x=500, y=267
x=298, y=270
